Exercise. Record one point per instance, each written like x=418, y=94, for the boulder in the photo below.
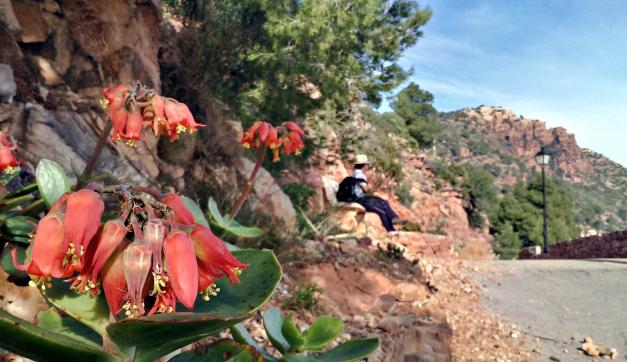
x=268, y=197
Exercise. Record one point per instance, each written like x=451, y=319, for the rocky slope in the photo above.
x=505, y=144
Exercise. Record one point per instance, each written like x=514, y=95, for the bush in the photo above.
x=403, y=192
x=299, y=194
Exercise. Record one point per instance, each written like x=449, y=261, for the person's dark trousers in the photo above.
x=381, y=207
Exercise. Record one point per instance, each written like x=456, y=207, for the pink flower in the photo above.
x=114, y=281
x=83, y=211
x=46, y=249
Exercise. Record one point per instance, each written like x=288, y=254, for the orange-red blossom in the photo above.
x=287, y=137
x=172, y=263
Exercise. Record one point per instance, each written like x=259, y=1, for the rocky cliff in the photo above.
x=505, y=144
x=55, y=58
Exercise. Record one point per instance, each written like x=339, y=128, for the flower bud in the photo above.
x=181, y=266
x=213, y=256
x=182, y=214
x=114, y=281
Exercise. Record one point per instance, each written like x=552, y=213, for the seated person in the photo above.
x=353, y=189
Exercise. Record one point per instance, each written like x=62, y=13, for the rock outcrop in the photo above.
x=522, y=138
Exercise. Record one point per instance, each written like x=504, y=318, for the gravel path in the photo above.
x=558, y=302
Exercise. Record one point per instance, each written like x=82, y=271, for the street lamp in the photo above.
x=542, y=158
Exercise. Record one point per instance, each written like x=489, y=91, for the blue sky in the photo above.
x=563, y=62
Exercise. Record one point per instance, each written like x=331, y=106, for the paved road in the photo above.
x=556, y=300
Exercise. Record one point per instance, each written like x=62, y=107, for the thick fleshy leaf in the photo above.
x=273, y=322
x=214, y=212
x=52, y=321
x=292, y=334
x=8, y=204
x=6, y=177
x=322, y=332
x=237, y=229
x=241, y=335
x=350, y=351
x=7, y=261
x=91, y=311
x=199, y=216
x=160, y=334
x=52, y=181
x=24, y=190
x=224, y=350
x=20, y=226
x=30, y=341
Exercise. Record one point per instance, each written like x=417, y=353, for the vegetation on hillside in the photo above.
x=282, y=59
x=415, y=106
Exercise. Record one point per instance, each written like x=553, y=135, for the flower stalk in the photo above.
x=248, y=185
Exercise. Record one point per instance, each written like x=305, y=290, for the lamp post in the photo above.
x=542, y=158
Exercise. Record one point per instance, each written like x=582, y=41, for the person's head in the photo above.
x=361, y=166
x=361, y=162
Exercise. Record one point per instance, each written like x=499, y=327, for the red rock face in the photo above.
x=522, y=138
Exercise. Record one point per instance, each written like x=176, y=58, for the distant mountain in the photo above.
x=504, y=144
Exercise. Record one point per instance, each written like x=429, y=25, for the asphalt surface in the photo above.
x=558, y=302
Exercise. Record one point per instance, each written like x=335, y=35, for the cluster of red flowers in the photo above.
x=170, y=258
x=286, y=137
x=133, y=109
x=8, y=162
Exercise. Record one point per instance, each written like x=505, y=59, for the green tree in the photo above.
x=520, y=213
x=277, y=59
x=415, y=106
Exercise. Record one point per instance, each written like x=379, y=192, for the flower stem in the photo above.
x=248, y=185
x=95, y=155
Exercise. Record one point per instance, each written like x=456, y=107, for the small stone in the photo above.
x=514, y=334
x=587, y=339
x=553, y=358
x=565, y=351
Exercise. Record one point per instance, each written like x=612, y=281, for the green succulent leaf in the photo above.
x=273, y=322
x=292, y=334
x=241, y=335
x=214, y=212
x=19, y=226
x=30, y=341
x=52, y=181
x=24, y=190
x=52, y=321
x=90, y=311
x=7, y=261
x=322, y=332
x=6, y=177
x=8, y=204
x=199, y=216
x=237, y=229
x=224, y=350
x=160, y=334
x=353, y=350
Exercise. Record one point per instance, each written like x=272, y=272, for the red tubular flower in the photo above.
x=114, y=281
x=213, y=256
x=174, y=120
x=294, y=127
x=187, y=120
x=100, y=249
x=297, y=143
x=111, y=94
x=264, y=128
x=108, y=239
x=82, y=219
x=137, y=264
x=249, y=140
x=8, y=162
x=181, y=266
x=272, y=140
x=182, y=215
x=165, y=302
x=119, y=118
x=47, y=252
x=134, y=126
